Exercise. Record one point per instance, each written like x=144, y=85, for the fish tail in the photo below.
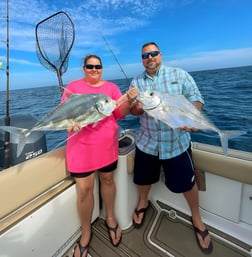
x=18, y=134
x=224, y=142
x=22, y=139
x=21, y=144
x=226, y=135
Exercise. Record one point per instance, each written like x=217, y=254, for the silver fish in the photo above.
x=176, y=111
x=83, y=109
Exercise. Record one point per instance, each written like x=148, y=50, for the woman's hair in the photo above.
x=150, y=43
x=87, y=57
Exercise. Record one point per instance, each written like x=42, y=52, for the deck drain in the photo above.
x=173, y=214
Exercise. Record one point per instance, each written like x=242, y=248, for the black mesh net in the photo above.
x=54, y=40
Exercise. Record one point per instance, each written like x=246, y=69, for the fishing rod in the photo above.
x=110, y=49
x=7, y=113
x=122, y=70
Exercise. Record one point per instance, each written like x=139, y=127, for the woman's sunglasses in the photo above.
x=91, y=66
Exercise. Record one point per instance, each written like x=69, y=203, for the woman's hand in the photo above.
x=74, y=128
x=132, y=94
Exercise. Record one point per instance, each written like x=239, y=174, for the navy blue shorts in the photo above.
x=108, y=168
x=178, y=171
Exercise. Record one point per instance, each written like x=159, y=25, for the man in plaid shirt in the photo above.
x=157, y=145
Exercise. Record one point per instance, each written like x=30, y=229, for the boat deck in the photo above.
x=164, y=233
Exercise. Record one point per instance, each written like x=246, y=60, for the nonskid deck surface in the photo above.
x=164, y=233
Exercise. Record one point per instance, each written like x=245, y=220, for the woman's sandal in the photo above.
x=114, y=230
x=137, y=212
x=82, y=249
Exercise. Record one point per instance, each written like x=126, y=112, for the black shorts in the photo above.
x=108, y=168
x=178, y=171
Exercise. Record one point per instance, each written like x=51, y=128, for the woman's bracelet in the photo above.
x=132, y=102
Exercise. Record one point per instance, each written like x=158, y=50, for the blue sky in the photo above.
x=192, y=34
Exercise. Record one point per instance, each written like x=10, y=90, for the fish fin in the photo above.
x=94, y=124
x=225, y=135
x=64, y=141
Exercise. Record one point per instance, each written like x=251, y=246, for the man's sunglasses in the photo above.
x=91, y=66
x=152, y=54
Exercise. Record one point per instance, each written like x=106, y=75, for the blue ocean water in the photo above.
x=228, y=104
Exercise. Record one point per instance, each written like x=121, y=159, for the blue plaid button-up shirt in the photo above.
x=155, y=137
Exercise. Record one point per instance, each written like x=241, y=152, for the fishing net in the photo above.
x=54, y=40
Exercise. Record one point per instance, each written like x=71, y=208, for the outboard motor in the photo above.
x=35, y=145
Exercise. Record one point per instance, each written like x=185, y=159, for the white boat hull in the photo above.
x=39, y=215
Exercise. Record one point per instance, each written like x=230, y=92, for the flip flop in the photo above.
x=114, y=230
x=82, y=249
x=137, y=212
x=203, y=234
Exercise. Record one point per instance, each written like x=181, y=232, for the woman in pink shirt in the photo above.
x=95, y=147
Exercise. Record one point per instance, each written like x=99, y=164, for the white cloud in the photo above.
x=195, y=62
x=214, y=59
x=24, y=62
x=90, y=17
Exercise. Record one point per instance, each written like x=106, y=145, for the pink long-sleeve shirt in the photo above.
x=96, y=145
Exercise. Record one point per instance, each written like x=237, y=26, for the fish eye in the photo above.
x=151, y=93
x=106, y=101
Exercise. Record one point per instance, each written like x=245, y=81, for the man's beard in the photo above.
x=153, y=66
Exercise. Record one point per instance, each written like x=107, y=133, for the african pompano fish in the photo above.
x=176, y=111
x=83, y=109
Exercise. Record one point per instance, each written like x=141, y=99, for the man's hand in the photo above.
x=187, y=129
x=137, y=108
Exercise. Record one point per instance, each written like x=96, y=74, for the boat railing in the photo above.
x=237, y=165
